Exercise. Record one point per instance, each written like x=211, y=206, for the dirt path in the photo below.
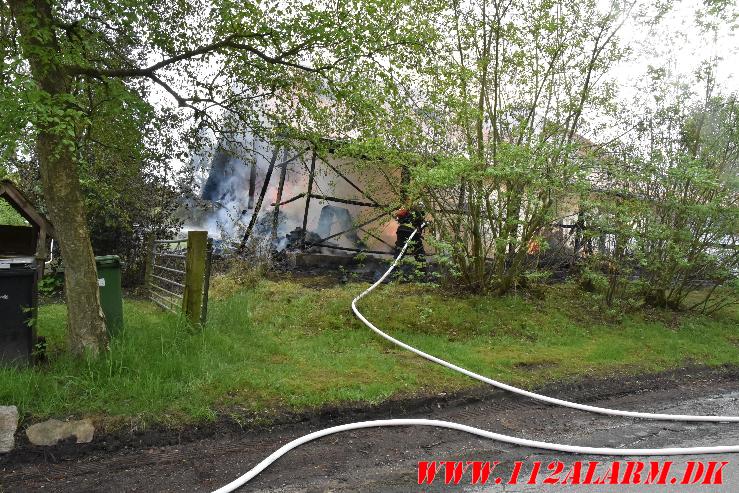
x=383, y=459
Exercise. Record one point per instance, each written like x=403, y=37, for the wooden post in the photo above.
x=42, y=252
x=192, y=300
x=206, y=281
x=307, y=200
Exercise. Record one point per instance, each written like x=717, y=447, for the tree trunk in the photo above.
x=60, y=179
x=61, y=187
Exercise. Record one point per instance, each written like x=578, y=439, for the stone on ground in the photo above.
x=52, y=431
x=8, y=425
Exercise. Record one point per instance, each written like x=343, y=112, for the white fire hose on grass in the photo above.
x=556, y=447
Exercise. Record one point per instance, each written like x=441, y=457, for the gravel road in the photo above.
x=386, y=459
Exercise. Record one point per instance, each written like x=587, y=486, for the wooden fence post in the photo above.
x=206, y=281
x=195, y=267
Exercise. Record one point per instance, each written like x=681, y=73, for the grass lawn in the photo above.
x=285, y=344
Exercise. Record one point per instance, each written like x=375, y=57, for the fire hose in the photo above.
x=576, y=449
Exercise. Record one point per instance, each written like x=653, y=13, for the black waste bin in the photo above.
x=18, y=288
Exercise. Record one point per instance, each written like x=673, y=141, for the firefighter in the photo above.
x=408, y=220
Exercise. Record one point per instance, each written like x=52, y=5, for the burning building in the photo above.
x=297, y=197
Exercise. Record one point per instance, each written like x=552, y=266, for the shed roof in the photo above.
x=25, y=208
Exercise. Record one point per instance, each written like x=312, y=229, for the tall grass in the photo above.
x=287, y=345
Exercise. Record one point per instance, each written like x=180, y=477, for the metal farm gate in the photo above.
x=178, y=274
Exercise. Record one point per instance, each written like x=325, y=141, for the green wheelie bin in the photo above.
x=111, y=298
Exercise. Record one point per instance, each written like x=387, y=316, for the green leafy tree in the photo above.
x=661, y=223
x=503, y=105
x=129, y=188
x=669, y=210
x=241, y=59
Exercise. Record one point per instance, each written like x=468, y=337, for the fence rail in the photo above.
x=176, y=271
x=180, y=240
x=178, y=274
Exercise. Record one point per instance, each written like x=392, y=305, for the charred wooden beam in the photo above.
x=280, y=187
x=311, y=173
x=348, y=249
x=378, y=238
x=353, y=185
x=328, y=198
x=252, y=183
x=291, y=199
x=339, y=200
x=258, y=205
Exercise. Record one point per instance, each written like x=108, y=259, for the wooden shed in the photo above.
x=24, y=242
